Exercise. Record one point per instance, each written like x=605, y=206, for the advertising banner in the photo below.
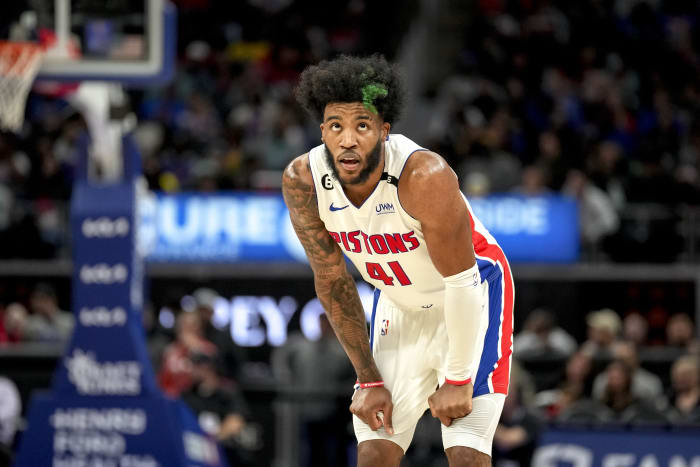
x=618, y=448
x=246, y=227
x=539, y=229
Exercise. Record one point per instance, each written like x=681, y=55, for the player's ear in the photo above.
x=322, y=126
x=386, y=128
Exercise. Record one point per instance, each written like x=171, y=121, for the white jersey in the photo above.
x=382, y=240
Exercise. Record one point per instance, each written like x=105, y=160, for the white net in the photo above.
x=19, y=64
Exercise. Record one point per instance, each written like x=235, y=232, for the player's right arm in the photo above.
x=336, y=290
x=334, y=285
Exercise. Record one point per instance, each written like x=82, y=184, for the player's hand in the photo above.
x=373, y=406
x=451, y=402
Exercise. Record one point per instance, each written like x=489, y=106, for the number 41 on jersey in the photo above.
x=376, y=271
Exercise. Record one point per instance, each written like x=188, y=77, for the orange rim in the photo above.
x=18, y=57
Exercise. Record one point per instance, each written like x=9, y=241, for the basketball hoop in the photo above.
x=19, y=65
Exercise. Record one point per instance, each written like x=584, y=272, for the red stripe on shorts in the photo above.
x=501, y=374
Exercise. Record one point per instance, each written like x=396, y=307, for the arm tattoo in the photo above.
x=335, y=287
x=345, y=312
x=303, y=210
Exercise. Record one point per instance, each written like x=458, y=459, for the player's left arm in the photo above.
x=429, y=191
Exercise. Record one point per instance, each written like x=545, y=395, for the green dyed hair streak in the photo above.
x=370, y=92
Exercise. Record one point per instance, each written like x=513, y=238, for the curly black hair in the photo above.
x=370, y=80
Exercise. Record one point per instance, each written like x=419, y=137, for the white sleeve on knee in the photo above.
x=464, y=317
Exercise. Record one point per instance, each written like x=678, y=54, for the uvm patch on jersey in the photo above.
x=385, y=327
x=384, y=208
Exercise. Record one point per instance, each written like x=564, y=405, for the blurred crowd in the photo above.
x=612, y=378
x=228, y=120
x=629, y=370
x=602, y=379
x=599, y=100
x=39, y=319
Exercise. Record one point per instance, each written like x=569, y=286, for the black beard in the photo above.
x=372, y=163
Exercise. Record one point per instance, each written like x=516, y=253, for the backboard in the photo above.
x=128, y=41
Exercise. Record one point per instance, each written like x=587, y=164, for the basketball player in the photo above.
x=443, y=305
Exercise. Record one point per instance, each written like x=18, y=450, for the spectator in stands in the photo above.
x=47, y=322
x=50, y=178
x=687, y=172
x=680, y=330
x=200, y=120
x=220, y=407
x=232, y=356
x=175, y=373
x=476, y=184
x=533, y=181
x=542, y=336
x=15, y=165
x=603, y=328
x=526, y=383
x=597, y=215
x=694, y=347
x=574, y=388
x=619, y=396
x=645, y=384
x=606, y=165
x=635, y=328
x=14, y=322
x=518, y=431
x=685, y=388
x=617, y=393
x=553, y=159
x=7, y=199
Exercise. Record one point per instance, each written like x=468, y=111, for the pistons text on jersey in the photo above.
x=380, y=244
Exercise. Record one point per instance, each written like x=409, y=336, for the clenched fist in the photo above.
x=368, y=403
x=451, y=402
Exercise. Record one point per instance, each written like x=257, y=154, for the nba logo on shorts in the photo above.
x=385, y=327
